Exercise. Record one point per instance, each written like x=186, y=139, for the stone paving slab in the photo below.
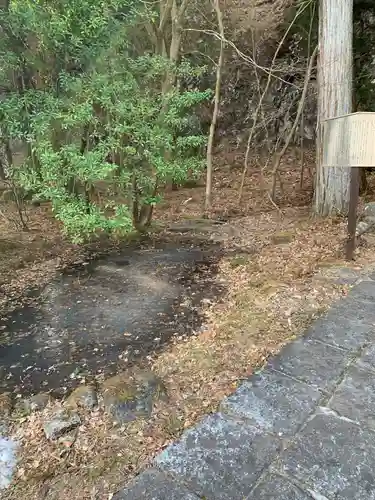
x=334, y=457
x=277, y=487
x=367, y=359
x=312, y=362
x=341, y=330
x=152, y=485
x=220, y=458
x=273, y=402
x=355, y=396
x=357, y=305
x=363, y=291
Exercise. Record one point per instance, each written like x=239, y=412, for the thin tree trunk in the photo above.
x=335, y=73
x=208, y=198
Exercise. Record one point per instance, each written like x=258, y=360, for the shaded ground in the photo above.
x=104, y=316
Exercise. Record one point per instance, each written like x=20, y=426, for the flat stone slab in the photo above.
x=358, y=304
x=220, y=458
x=273, y=402
x=355, y=397
x=344, y=331
x=154, y=485
x=367, y=360
x=317, y=364
x=334, y=457
x=277, y=487
x=363, y=291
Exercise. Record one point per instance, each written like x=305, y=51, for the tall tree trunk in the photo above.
x=335, y=73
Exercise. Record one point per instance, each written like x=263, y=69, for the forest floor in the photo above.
x=278, y=278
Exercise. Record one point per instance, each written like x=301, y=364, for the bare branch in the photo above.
x=246, y=163
x=243, y=56
x=294, y=127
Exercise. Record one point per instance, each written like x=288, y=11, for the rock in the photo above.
x=37, y=402
x=369, y=210
x=61, y=422
x=5, y=411
x=130, y=396
x=5, y=405
x=8, y=449
x=367, y=224
x=281, y=238
x=361, y=228
x=84, y=396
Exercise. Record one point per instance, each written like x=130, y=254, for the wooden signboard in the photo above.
x=349, y=141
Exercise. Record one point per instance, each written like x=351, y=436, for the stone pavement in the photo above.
x=303, y=428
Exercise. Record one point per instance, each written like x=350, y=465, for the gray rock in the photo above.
x=84, y=396
x=362, y=228
x=153, y=485
x=61, y=422
x=132, y=395
x=5, y=405
x=277, y=487
x=5, y=412
x=317, y=364
x=273, y=402
x=333, y=458
x=8, y=461
x=220, y=458
x=36, y=403
x=355, y=397
x=369, y=210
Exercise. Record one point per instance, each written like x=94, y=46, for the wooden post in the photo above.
x=352, y=215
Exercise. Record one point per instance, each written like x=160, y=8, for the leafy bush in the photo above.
x=103, y=137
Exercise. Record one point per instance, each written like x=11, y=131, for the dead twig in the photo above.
x=246, y=162
x=294, y=127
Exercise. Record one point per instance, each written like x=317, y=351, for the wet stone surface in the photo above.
x=103, y=317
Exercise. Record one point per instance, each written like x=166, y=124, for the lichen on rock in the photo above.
x=129, y=396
